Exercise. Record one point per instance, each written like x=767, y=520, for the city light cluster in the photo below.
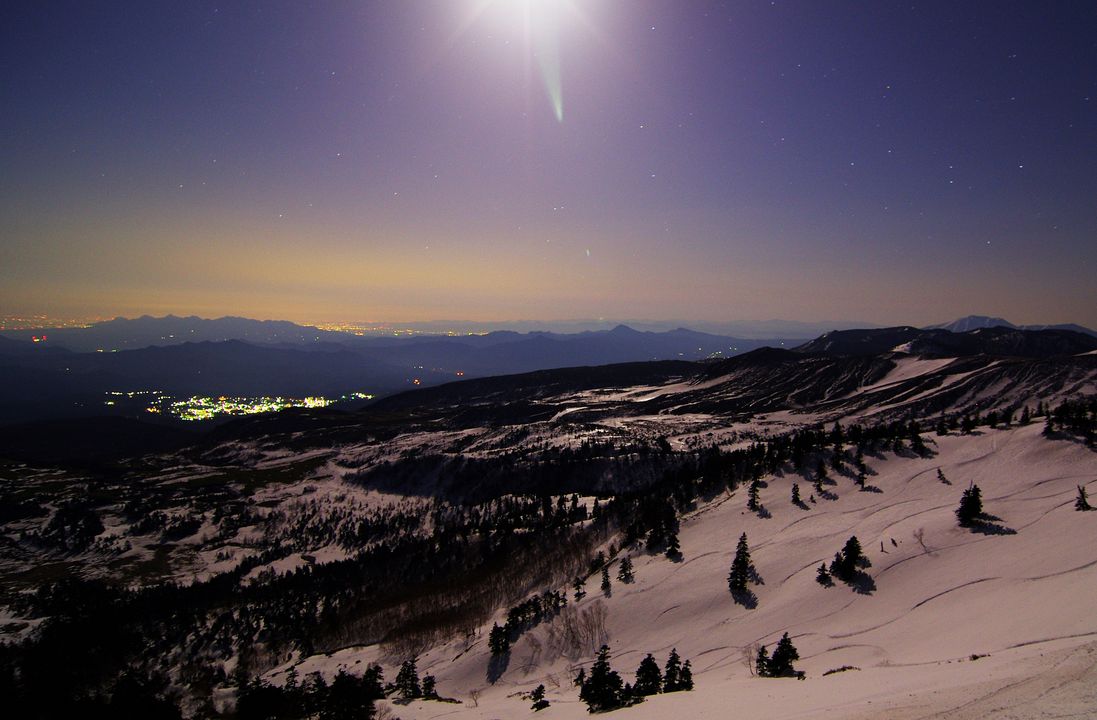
x=207, y=408
x=38, y=322
x=199, y=407
x=363, y=329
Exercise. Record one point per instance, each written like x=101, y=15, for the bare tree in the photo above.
x=920, y=536
x=750, y=654
x=576, y=633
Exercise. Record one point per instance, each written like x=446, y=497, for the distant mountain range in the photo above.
x=976, y=322
x=182, y=357
x=46, y=380
x=997, y=340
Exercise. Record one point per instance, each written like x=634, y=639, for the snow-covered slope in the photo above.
x=960, y=624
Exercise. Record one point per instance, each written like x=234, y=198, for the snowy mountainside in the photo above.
x=951, y=616
x=319, y=538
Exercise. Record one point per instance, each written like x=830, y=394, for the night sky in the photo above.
x=490, y=160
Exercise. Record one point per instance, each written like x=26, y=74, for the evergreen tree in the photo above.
x=580, y=678
x=649, y=679
x=741, y=568
x=752, y=496
x=537, y=697
x=672, y=672
x=942, y=427
x=606, y=587
x=780, y=665
x=796, y=494
x=580, y=591
x=853, y=554
x=674, y=550
x=1026, y=417
x=429, y=690
x=407, y=681
x=971, y=506
x=602, y=689
x=1082, y=502
x=847, y=562
x=761, y=662
x=685, y=681
x=498, y=642
x=1049, y=426
x=624, y=572
x=348, y=698
x=823, y=577
x=837, y=567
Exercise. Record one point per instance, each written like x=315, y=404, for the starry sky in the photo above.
x=891, y=162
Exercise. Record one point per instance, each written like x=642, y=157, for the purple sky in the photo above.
x=404, y=160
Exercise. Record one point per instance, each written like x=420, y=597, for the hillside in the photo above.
x=317, y=538
x=1021, y=601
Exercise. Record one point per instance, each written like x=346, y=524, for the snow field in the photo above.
x=1024, y=598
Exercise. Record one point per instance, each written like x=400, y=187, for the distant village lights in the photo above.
x=197, y=408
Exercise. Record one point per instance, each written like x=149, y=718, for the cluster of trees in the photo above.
x=72, y=528
x=654, y=519
x=780, y=664
x=408, y=685
x=348, y=696
x=525, y=616
x=1074, y=417
x=847, y=565
x=603, y=689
